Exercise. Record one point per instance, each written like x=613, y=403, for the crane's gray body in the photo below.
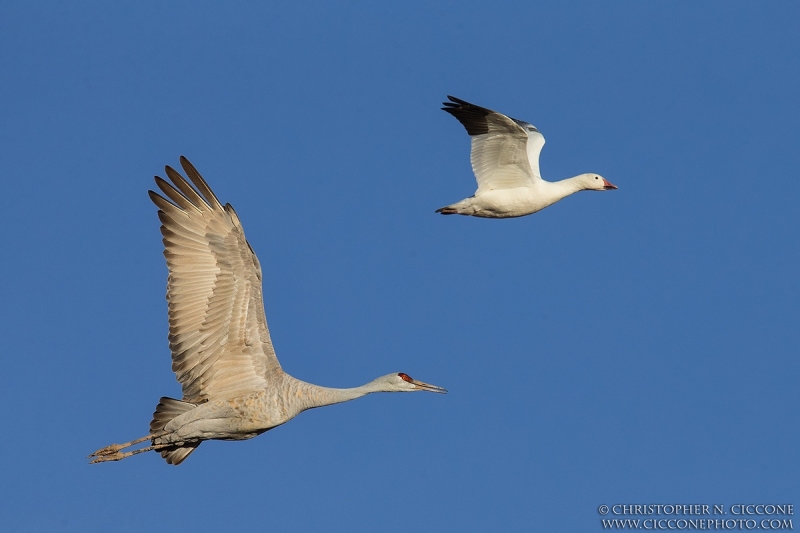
x=245, y=417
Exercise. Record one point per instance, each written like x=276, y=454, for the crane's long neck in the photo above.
x=307, y=395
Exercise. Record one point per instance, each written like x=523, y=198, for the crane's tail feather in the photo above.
x=176, y=455
x=166, y=410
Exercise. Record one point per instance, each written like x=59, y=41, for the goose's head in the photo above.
x=400, y=382
x=595, y=182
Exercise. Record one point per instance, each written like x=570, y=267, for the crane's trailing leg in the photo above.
x=174, y=450
x=114, y=448
x=113, y=452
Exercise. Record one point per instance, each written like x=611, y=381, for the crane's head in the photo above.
x=400, y=382
x=596, y=182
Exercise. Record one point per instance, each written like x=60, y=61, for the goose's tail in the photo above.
x=464, y=207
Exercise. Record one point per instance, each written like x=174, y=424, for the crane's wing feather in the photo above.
x=217, y=328
x=505, y=151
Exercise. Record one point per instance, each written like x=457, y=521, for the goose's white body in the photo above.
x=515, y=202
x=505, y=160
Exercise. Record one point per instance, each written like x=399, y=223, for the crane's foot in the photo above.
x=111, y=449
x=116, y=455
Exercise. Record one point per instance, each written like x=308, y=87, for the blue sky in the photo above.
x=636, y=346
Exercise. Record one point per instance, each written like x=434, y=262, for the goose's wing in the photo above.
x=505, y=151
x=217, y=328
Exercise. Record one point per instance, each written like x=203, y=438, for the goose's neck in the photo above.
x=550, y=192
x=569, y=185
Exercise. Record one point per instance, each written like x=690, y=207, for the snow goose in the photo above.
x=505, y=160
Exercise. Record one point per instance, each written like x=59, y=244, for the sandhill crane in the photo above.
x=505, y=160
x=233, y=386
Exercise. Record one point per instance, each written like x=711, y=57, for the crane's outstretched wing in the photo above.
x=505, y=151
x=217, y=328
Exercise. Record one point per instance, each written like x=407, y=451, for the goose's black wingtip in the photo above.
x=454, y=102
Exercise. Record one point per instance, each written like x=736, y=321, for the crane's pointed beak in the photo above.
x=607, y=185
x=428, y=387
